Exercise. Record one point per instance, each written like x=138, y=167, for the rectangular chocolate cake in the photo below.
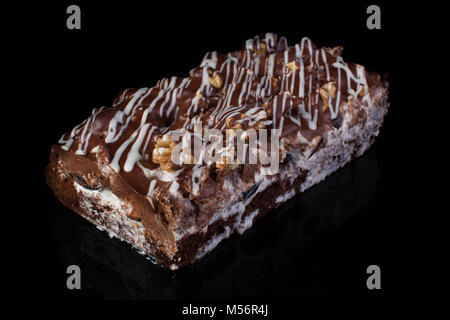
x=130, y=169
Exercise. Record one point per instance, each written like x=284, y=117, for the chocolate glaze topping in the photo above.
x=297, y=89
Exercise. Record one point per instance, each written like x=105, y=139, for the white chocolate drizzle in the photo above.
x=272, y=76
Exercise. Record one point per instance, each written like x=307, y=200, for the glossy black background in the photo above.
x=383, y=209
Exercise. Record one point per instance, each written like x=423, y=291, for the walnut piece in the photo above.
x=293, y=65
x=216, y=81
x=275, y=83
x=162, y=152
x=327, y=93
x=267, y=109
x=224, y=161
x=231, y=124
x=361, y=93
x=261, y=49
x=226, y=164
x=259, y=120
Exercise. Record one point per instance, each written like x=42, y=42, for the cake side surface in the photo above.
x=88, y=187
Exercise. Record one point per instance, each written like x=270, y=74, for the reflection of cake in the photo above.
x=115, y=168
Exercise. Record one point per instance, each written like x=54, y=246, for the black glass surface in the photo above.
x=384, y=208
